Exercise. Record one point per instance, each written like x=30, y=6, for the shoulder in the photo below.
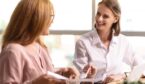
x=13, y=46
x=12, y=50
x=123, y=38
x=86, y=37
x=11, y=59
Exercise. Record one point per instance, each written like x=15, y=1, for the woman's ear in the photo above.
x=116, y=19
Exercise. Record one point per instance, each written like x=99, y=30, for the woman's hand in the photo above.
x=91, y=70
x=115, y=78
x=47, y=79
x=69, y=72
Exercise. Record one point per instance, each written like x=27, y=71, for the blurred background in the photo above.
x=76, y=17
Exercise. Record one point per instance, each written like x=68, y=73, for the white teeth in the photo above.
x=100, y=24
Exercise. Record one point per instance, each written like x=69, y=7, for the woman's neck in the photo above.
x=105, y=36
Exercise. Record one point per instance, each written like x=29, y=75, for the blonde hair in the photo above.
x=27, y=22
x=113, y=5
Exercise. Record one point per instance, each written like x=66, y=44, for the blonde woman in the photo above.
x=104, y=53
x=24, y=58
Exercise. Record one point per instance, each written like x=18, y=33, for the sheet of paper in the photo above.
x=136, y=73
x=78, y=81
x=56, y=75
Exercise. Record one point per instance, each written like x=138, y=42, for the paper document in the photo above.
x=56, y=75
x=79, y=81
x=136, y=73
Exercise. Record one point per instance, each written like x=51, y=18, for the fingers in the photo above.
x=73, y=73
x=72, y=77
x=69, y=72
x=108, y=80
x=86, y=68
x=91, y=70
x=114, y=78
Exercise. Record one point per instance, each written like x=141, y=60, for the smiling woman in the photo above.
x=105, y=46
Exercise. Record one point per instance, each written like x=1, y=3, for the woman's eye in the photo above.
x=105, y=16
x=98, y=14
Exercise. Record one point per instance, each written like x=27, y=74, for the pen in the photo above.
x=84, y=75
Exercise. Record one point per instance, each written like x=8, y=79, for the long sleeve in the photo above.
x=129, y=55
x=10, y=68
x=20, y=64
x=81, y=55
x=131, y=58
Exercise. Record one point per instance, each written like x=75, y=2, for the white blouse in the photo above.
x=118, y=59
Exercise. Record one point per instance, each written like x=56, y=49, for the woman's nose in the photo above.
x=100, y=19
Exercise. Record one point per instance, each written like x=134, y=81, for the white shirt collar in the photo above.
x=96, y=39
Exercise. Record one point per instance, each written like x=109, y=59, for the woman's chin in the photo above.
x=99, y=28
x=45, y=33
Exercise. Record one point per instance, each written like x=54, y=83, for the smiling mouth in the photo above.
x=101, y=24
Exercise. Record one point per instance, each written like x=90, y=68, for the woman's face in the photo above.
x=46, y=31
x=104, y=18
